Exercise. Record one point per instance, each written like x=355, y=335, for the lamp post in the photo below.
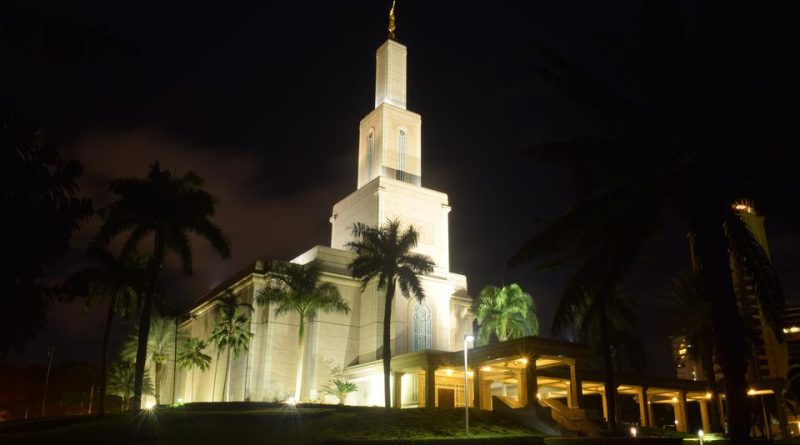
x=467, y=338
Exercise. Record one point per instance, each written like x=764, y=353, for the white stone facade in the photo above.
x=389, y=187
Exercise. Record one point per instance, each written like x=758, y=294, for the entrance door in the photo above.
x=447, y=398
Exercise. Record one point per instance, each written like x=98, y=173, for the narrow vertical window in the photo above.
x=421, y=328
x=401, y=143
x=370, y=148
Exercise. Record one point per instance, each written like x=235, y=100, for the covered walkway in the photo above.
x=533, y=372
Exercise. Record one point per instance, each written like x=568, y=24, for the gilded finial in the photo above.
x=392, y=26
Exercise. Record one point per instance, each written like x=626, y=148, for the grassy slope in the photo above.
x=280, y=425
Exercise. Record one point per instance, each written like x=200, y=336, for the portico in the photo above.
x=540, y=375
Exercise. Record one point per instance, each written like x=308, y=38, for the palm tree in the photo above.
x=607, y=322
x=340, y=388
x=385, y=254
x=621, y=322
x=667, y=140
x=692, y=310
x=121, y=382
x=168, y=208
x=231, y=332
x=504, y=313
x=191, y=356
x=160, y=347
x=297, y=288
x=42, y=210
x=122, y=282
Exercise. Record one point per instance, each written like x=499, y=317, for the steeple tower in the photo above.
x=390, y=136
x=390, y=165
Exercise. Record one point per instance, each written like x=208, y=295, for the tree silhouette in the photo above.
x=385, y=253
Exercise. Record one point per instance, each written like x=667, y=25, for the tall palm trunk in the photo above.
x=144, y=321
x=387, y=338
x=159, y=381
x=214, y=384
x=608, y=365
x=226, y=384
x=175, y=361
x=101, y=405
x=711, y=377
x=301, y=354
x=712, y=249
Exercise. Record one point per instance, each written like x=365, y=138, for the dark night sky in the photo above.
x=264, y=103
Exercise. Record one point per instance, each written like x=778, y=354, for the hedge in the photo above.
x=518, y=440
x=613, y=440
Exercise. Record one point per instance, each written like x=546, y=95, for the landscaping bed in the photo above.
x=199, y=424
x=426, y=425
x=613, y=440
x=522, y=440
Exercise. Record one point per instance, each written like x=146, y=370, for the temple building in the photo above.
x=389, y=187
x=551, y=385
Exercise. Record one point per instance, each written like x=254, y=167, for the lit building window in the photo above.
x=401, y=143
x=422, y=327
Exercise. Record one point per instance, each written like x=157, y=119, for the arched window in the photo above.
x=370, y=149
x=422, y=327
x=401, y=144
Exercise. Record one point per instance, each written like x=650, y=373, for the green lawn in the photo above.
x=295, y=426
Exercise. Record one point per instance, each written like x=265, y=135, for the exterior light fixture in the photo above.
x=751, y=392
x=524, y=361
x=676, y=421
x=149, y=406
x=700, y=436
x=448, y=371
x=708, y=395
x=291, y=402
x=634, y=432
x=486, y=369
x=675, y=400
x=467, y=339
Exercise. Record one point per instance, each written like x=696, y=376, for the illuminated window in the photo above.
x=370, y=149
x=422, y=327
x=401, y=143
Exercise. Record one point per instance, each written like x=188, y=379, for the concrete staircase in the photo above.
x=534, y=417
x=550, y=417
x=571, y=418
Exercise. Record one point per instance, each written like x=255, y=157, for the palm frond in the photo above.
x=757, y=264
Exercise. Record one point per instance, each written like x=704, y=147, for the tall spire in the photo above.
x=392, y=26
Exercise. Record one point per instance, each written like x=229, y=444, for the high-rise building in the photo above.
x=769, y=356
x=791, y=331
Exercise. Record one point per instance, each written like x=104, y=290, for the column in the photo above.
x=522, y=387
x=643, y=420
x=476, y=387
x=680, y=412
x=397, y=395
x=531, y=382
x=784, y=424
x=486, y=395
x=605, y=404
x=721, y=411
x=704, y=415
x=430, y=387
x=576, y=387
x=651, y=420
